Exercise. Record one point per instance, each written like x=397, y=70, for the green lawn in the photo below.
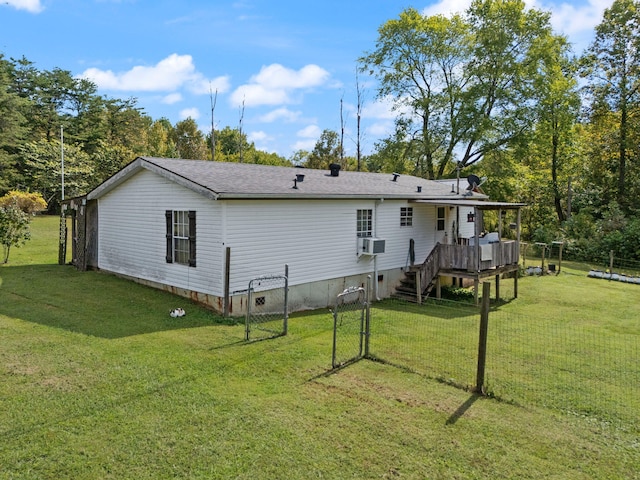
x=99, y=382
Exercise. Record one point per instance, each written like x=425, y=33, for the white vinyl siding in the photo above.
x=317, y=239
x=132, y=233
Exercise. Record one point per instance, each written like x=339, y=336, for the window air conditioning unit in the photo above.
x=371, y=246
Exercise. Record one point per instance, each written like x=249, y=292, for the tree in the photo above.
x=557, y=108
x=14, y=229
x=13, y=128
x=28, y=202
x=189, y=140
x=612, y=65
x=160, y=142
x=44, y=169
x=326, y=151
x=464, y=85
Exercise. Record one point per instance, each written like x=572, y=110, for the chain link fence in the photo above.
x=349, y=326
x=267, y=307
x=567, y=365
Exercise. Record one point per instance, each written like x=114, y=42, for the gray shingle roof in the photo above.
x=242, y=180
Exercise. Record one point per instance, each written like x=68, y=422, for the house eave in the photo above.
x=140, y=164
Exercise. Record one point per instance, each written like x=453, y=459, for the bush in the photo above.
x=14, y=229
x=27, y=202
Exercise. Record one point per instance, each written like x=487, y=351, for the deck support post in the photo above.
x=497, y=287
x=476, y=284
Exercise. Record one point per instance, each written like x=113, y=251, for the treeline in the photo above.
x=493, y=91
x=39, y=109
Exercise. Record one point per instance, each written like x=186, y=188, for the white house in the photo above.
x=204, y=229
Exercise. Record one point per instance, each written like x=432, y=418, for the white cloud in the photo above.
x=280, y=114
x=169, y=74
x=189, y=113
x=259, y=136
x=172, y=98
x=310, y=131
x=304, y=145
x=447, y=7
x=579, y=17
x=201, y=86
x=575, y=19
x=275, y=85
x=32, y=6
x=380, y=129
x=380, y=108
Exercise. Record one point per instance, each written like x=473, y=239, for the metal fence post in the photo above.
x=285, y=329
x=482, y=340
x=367, y=317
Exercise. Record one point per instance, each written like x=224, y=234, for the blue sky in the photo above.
x=289, y=63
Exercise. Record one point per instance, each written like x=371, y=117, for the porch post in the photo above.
x=477, y=218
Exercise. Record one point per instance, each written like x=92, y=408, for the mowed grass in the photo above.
x=99, y=382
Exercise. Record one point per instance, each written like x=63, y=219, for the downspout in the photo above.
x=375, y=257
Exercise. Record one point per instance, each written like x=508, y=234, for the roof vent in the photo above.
x=419, y=189
x=395, y=176
x=335, y=169
x=299, y=177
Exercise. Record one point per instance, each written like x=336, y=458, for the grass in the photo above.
x=99, y=382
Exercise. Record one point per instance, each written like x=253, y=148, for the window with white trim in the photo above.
x=181, y=237
x=406, y=216
x=364, y=223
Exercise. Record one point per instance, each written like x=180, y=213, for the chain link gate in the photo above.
x=350, y=326
x=267, y=307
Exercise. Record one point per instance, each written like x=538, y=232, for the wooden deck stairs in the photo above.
x=419, y=277
x=459, y=261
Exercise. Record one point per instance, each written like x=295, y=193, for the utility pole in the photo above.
x=62, y=158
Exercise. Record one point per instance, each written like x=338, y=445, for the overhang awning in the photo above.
x=479, y=204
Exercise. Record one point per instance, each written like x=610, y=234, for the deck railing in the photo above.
x=465, y=257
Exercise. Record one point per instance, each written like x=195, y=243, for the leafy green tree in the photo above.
x=189, y=140
x=13, y=128
x=550, y=149
x=160, y=139
x=44, y=169
x=464, y=85
x=612, y=67
x=229, y=143
x=14, y=229
x=326, y=151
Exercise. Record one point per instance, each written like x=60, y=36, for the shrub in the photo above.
x=27, y=202
x=14, y=229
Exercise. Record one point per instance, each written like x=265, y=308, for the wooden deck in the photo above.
x=474, y=262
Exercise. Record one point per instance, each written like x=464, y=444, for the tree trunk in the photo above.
x=554, y=173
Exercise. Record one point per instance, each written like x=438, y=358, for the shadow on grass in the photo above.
x=94, y=303
x=429, y=307
x=462, y=409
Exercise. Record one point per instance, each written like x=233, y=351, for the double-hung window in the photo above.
x=181, y=237
x=441, y=219
x=365, y=223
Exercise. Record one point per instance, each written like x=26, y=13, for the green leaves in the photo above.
x=463, y=85
x=14, y=229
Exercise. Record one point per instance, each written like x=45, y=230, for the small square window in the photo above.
x=406, y=216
